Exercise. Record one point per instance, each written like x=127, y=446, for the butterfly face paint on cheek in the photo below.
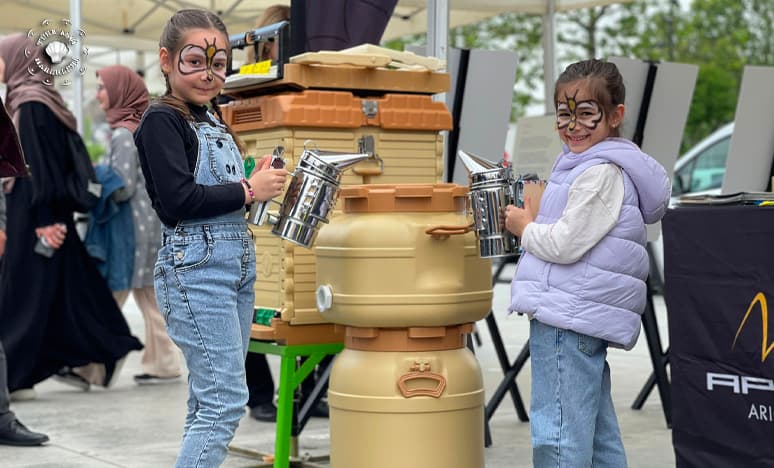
x=587, y=113
x=195, y=59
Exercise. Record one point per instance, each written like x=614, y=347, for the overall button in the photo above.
x=180, y=255
x=219, y=143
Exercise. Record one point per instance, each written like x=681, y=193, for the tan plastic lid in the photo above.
x=387, y=198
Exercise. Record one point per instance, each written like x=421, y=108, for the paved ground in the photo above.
x=131, y=426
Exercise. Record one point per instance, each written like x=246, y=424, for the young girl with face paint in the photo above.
x=581, y=277
x=205, y=269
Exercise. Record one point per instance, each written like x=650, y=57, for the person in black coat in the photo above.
x=12, y=431
x=56, y=310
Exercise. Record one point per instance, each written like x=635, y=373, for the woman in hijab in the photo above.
x=56, y=311
x=123, y=96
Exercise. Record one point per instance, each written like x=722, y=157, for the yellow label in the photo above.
x=260, y=68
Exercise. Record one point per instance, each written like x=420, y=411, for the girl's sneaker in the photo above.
x=150, y=379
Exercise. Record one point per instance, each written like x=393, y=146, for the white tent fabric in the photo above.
x=136, y=24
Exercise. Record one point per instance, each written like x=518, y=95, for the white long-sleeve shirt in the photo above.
x=593, y=206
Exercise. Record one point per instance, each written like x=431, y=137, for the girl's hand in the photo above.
x=54, y=234
x=516, y=219
x=263, y=163
x=267, y=183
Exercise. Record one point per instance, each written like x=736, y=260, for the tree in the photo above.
x=720, y=36
x=760, y=17
x=509, y=31
x=581, y=39
x=715, y=38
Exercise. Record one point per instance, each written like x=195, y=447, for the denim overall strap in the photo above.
x=219, y=162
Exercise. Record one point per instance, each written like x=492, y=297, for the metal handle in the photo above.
x=259, y=213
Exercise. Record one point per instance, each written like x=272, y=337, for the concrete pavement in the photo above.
x=134, y=426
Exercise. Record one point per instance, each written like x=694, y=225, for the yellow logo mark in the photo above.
x=766, y=347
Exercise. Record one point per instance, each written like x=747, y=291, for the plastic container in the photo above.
x=406, y=409
x=401, y=256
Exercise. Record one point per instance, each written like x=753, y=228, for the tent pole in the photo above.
x=438, y=28
x=549, y=61
x=75, y=25
x=438, y=46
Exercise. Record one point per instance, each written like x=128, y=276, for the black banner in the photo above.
x=719, y=284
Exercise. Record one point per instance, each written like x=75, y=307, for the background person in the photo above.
x=123, y=96
x=269, y=50
x=12, y=431
x=581, y=278
x=55, y=307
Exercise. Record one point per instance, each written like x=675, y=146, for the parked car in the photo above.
x=699, y=171
x=702, y=168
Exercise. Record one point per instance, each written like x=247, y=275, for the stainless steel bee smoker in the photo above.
x=310, y=197
x=493, y=186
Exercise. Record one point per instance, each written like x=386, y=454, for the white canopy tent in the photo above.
x=136, y=24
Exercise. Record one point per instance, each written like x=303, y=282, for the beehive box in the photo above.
x=406, y=133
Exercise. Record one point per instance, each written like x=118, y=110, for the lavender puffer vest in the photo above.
x=603, y=294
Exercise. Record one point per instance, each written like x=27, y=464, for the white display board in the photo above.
x=486, y=106
x=670, y=102
x=537, y=146
x=749, y=163
x=635, y=74
x=668, y=108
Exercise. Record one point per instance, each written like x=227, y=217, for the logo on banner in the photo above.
x=743, y=384
x=58, y=43
x=766, y=346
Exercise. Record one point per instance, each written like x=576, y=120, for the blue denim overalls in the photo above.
x=204, y=280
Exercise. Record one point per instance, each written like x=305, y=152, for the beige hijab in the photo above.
x=127, y=96
x=24, y=86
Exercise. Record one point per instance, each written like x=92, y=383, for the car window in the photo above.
x=709, y=167
x=682, y=180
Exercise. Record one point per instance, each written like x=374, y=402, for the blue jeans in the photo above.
x=572, y=418
x=204, y=280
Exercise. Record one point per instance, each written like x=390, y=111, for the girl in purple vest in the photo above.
x=581, y=278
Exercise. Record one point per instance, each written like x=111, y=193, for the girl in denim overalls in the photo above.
x=205, y=270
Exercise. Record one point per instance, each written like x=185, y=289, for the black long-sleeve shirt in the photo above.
x=168, y=150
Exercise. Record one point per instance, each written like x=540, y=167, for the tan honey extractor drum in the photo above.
x=401, y=256
x=407, y=410
x=400, y=269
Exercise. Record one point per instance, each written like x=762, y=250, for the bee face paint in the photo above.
x=194, y=58
x=571, y=113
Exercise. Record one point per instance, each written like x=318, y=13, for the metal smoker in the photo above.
x=493, y=186
x=311, y=194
